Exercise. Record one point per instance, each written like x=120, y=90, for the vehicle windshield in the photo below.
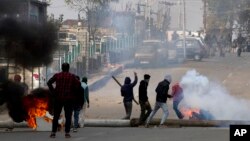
x=190, y=43
x=152, y=44
x=146, y=49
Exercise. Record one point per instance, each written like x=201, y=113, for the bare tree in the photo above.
x=94, y=11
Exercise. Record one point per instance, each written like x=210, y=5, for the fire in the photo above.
x=188, y=112
x=35, y=107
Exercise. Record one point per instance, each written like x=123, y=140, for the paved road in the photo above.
x=232, y=72
x=124, y=134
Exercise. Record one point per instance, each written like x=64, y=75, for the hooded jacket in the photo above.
x=162, y=91
x=127, y=89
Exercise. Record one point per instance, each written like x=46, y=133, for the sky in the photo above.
x=58, y=7
x=194, y=11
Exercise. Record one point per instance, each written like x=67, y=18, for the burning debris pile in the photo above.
x=36, y=105
x=197, y=114
x=26, y=108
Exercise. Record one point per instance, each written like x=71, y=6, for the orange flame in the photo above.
x=188, y=112
x=35, y=107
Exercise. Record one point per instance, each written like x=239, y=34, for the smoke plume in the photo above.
x=28, y=44
x=200, y=92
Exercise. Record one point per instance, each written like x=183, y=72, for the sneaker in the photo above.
x=74, y=129
x=146, y=125
x=67, y=135
x=52, y=135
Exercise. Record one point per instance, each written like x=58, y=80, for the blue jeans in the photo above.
x=177, y=111
x=164, y=108
x=76, y=116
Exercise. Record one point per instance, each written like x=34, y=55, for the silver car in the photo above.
x=194, y=49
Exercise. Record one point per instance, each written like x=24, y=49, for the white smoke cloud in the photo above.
x=200, y=92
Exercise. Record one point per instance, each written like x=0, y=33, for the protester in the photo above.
x=84, y=85
x=177, y=93
x=22, y=89
x=64, y=96
x=240, y=42
x=78, y=105
x=161, y=100
x=143, y=99
x=25, y=87
x=175, y=36
x=128, y=95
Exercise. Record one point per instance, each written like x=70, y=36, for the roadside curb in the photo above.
x=46, y=126
x=103, y=79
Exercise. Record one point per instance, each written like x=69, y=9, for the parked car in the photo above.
x=195, y=49
x=151, y=52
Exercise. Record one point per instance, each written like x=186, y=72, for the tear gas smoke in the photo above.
x=200, y=92
x=27, y=44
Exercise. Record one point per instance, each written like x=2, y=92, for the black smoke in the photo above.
x=7, y=6
x=28, y=44
x=12, y=94
x=18, y=104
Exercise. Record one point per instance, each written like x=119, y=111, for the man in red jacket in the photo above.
x=177, y=94
x=64, y=95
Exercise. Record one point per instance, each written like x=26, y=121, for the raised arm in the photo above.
x=135, y=80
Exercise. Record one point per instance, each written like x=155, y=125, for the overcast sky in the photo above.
x=58, y=7
x=194, y=11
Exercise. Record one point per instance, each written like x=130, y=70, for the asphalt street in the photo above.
x=123, y=134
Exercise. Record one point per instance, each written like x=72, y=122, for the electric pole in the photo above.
x=205, y=16
x=148, y=16
x=184, y=28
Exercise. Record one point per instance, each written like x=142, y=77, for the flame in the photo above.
x=188, y=112
x=35, y=107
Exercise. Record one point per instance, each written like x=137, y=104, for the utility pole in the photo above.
x=184, y=28
x=148, y=16
x=180, y=15
x=205, y=16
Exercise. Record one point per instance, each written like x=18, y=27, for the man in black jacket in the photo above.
x=128, y=95
x=161, y=100
x=143, y=99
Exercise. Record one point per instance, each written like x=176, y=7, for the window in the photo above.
x=62, y=35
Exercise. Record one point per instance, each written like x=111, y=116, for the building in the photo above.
x=24, y=10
